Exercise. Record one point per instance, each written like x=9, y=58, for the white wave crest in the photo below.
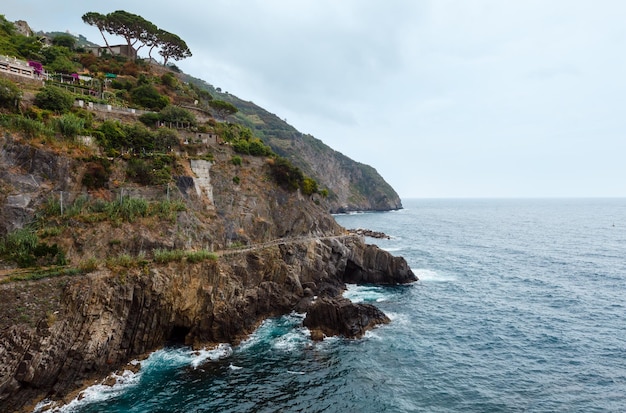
x=432, y=276
x=93, y=394
x=365, y=293
x=171, y=357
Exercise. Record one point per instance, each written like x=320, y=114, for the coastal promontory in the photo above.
x=132, y=219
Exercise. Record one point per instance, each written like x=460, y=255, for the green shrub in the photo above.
x=162, y=256
x=69, y=125
x=88, y=265
x=165, y=140
x=308, y=186
x=198, y=256
x=236, y=160
x=150, y=119
x=175, y=114
x=54, y=99
x=22, y=246
x=242, y=146
x=97, y=173
x=257, y=148
x=148, y=97
x=286, y=175
x=10, y=95
x=236, y=180
x=29, y=127
x=169, y=80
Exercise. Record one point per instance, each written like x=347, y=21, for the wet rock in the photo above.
x=339, y=316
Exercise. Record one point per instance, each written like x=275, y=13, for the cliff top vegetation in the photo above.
x=123, y=123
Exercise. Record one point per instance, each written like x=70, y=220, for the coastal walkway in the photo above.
x=35, y=273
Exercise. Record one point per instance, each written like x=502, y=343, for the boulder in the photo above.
x=372, y=265
x=338, y=316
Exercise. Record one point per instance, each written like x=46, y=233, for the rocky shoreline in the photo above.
x=106, y=320
x=369, y=233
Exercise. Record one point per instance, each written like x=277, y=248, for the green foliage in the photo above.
x=69, y=125
x=139, y=171
x=163, y=256
x=172, y=47
x=223, y=109
x=10, y=95
x=286, y=175
x=64, y=40
x=241, y=146
x=236, y=160
x=59, y=59
x=148, y=97
x=42, y=273
x=18, y=45
x=22, y=246
x=88, y=265
x=169, y=80
x=150, y=119
x=29, y=127
x=97, y=173
x=199, y=256
x=154, y=170
x=54, y=99
x=175, y=114
x=257, y=148
x=7, y=28
x=127, y=209
x=167, y=209
x=308, y=186
x=121, y=84
x=236, y=180
x=115, y=137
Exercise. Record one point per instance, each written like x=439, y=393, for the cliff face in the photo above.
x=103, y=320
x=353, y=186
x=61, y=332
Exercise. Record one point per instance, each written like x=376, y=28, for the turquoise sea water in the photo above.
x=520, y=307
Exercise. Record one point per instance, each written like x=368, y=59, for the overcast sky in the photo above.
x=445, y=98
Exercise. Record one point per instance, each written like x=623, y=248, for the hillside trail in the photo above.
x=9, y=272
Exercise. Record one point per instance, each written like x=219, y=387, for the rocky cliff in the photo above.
x=103, y=320
x=353, y=186
x=273, y=252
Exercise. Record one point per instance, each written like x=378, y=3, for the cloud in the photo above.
x=443, y=97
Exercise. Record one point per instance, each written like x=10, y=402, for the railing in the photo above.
x=19, y=67
x=109, y=108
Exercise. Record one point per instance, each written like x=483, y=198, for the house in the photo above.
x=118, y=50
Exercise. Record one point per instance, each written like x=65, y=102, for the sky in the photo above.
x=445, y=98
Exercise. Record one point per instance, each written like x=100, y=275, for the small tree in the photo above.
x=172, y=47
x=223, y=109
x=10, y=95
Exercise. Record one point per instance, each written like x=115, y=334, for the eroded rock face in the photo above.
x=106, y=319
x=339, y=316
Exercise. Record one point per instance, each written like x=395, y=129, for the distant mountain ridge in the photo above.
x=352, y=186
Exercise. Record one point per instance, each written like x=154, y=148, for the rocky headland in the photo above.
x=141, y=207
x=274, y=251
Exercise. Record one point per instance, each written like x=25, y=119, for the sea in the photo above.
x=520, y=307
